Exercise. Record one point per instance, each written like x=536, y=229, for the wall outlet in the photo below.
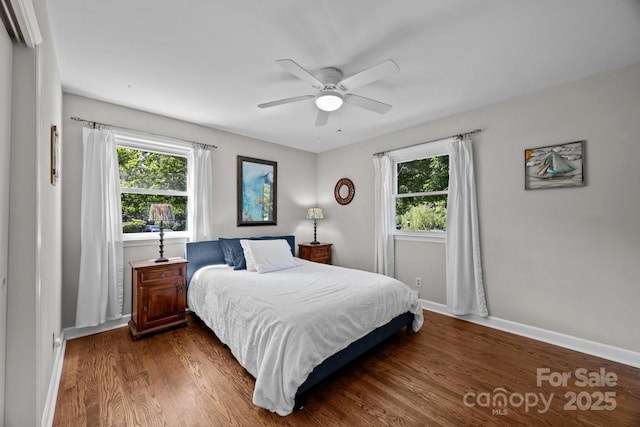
x=418, y=282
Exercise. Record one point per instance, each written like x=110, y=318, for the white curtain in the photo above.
x=383, y=213
x=200, y=202
x=100, y=289
x=465, y=288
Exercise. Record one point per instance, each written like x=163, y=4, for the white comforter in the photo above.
x=281, y=325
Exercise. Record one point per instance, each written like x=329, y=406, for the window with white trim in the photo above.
x=420, y=190
x=152, y=170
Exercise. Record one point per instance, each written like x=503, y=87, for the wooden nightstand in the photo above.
x=316, y=253
x=159, y=295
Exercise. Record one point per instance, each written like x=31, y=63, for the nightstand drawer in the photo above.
x=160, y=274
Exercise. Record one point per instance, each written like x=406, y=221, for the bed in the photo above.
x=292, y=327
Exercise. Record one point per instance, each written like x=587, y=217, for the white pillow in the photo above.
x=270, y=255
x=251, y=265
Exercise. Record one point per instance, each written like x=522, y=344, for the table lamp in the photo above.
x=315, y=214
x=161, y=212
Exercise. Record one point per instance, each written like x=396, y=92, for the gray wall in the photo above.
x=35, y=259
x=564, y=260
x=296, y=186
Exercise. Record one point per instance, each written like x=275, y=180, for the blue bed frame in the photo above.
x=200, y=254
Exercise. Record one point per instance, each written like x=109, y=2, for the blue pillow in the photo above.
x=233, y=253
x=227, y=250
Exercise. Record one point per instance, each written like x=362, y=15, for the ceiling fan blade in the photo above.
x=369, y=75
x=299, y=72
x=285, y=101
x=322, y=118
x=369, y=104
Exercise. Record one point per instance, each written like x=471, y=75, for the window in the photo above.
x=421, y=184
x=151, y=171
x=421, y=194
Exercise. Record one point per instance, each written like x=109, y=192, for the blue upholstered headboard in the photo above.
x=201, y=254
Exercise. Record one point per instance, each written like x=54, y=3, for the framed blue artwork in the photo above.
x=257, y=191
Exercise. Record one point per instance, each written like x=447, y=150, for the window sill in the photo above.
x=153, y=239
x=424, y=236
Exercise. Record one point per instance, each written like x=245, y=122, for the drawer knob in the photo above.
x=163, y=275
x=145, y=309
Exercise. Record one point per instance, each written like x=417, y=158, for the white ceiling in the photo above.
x=211, y=62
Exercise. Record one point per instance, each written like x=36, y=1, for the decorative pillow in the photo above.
x=248, y=256
x=227, y=250
x=234, y=254
x=271, y=255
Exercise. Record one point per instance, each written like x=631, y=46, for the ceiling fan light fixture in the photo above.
x=329, y=100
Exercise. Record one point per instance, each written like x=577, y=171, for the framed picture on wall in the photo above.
x=257, y=184
x=554, y=166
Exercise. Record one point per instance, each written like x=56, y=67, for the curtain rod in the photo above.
x=95, y=124
x=460, y=135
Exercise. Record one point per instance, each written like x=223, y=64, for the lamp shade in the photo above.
x=161, y=212
x=314, y=213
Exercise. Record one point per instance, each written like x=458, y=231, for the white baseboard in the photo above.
x=54, y=383
x=73, y=332
x=593, y=348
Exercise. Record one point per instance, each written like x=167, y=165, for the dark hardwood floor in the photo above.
x=451, y=373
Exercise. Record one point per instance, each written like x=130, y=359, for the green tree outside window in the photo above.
x=150, y=177
x=421, y=201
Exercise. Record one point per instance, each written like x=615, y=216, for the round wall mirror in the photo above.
x=344, y=191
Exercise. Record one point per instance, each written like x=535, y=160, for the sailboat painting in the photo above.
x=554, y=166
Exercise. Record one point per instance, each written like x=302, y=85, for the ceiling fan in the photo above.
x=332, y=86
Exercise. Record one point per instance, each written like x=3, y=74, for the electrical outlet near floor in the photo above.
x=418, y=282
